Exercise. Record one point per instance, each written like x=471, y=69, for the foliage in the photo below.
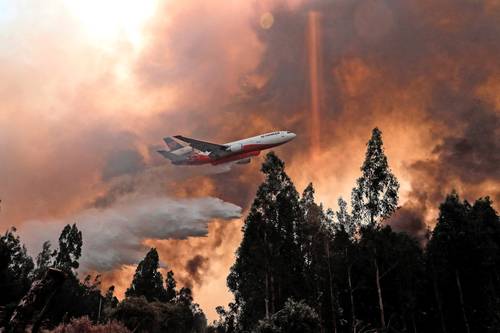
x=375, y=196
x=171, y=285
x=15, y=268
x=44, y=260
x=295, y=317
x=139, y=315
x=85, y=325
x=228, y=319
x=356, y=273
x=148, y=281
x=70, y=249
x=268, y=267
x=463, y=257
x=344, y=219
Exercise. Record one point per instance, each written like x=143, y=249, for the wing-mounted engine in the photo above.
x=244, y=161
x=235, y=148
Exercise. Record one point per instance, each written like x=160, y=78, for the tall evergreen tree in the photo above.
x=463, y=257
x=171, y=285
x=43, y=260
x=344, y=252
x=20, y=263
x=110, y=300
x=15, y=277
x=269, y=267
x=148, y=281
x=70, y=249
x=318, y=255
x=375, y=196
x=344, y=219
x=388, y=266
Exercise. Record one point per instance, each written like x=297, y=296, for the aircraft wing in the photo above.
x=202, y=145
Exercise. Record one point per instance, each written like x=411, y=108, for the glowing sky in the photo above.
x=89, y=88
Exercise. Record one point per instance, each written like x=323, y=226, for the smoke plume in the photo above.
x=114, y=236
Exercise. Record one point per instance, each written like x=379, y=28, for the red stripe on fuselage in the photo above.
x=248, y=150
x=236, y=157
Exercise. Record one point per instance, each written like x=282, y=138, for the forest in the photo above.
x=300, y=267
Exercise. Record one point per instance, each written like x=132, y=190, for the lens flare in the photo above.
x=315, y=81
x=266, y=20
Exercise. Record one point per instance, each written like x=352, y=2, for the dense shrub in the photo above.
x=84, y=325
x=295, y=317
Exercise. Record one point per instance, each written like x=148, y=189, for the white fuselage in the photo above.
x=272, y=138
x=240, y=150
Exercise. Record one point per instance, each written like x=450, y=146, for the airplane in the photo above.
x=195, y=152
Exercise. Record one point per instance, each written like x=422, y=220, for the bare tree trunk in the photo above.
x=100, y=308
x=462, y=305
x=273, y=296
x=267, y=293
x=267, y=276
x=413, y=324
x=330, y=278
x=353, y=313
x=379, y=291
x=438, y=300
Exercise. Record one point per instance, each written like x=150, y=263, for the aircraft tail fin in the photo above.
x=172, y=143
x=170, y=156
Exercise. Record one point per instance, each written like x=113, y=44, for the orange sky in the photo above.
x=89, y=88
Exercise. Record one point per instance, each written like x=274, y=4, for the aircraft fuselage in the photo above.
x=241, y=150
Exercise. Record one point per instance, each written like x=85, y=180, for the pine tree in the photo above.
x=249, y=278
x=463, y=255
x=70, y=249
x=110, y=299
x=269, y=267
x=185, y=296
x=15, y=277
x=316, y=244
x=387, y=268
x=171, y=284
x=310, y=225
x=344, y=219
x=375, y=196
x=43, y=260
x=148, y=281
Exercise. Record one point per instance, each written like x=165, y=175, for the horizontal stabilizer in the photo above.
x=169, y=155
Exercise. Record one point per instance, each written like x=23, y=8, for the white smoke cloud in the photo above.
x=114, y=236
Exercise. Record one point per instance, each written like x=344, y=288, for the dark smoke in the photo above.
x=123, y=162
x=195, y=268
x=465, y=161
x=410, y=220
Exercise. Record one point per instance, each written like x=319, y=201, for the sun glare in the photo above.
x=105, y=21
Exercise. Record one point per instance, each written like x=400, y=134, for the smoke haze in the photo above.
x=82, y=115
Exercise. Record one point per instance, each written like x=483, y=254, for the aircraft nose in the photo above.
x=292, y=135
